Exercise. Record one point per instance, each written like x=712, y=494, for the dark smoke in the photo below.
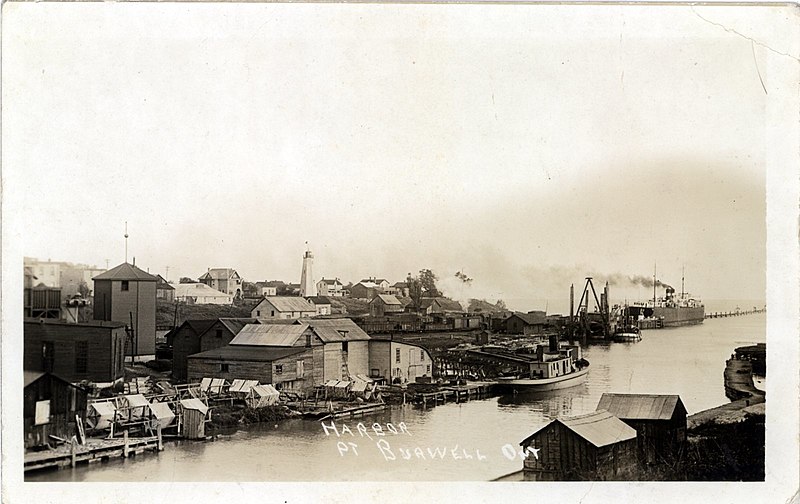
x=644, y=281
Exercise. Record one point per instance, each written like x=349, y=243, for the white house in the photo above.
x=321, y=303
x=283, y=307
x=225, y=280
x=398, y=362
x=328, y=287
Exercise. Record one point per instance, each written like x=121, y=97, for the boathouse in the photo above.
x=284, y=367
x=398, y=362
x=50, y=408
x=91, y=351
x=185, y=341
x=596, y=447
x=659, y=420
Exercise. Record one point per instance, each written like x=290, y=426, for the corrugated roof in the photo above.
x=269, y=335
x=289, y=304
x=529, y=318
x=235, y=325
x=387, y=299
x=248, y=353
x=328, y=329
x=126, y=271
x=600, y=428
x=641, y=406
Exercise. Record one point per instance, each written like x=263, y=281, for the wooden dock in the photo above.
x=357, y=411
x=735, y=313
x=459, y=393
x=95, y=450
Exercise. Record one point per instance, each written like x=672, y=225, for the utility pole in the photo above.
x=126, y=241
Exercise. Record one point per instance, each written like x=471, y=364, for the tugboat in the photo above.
x=557, y=367
x=627, y=331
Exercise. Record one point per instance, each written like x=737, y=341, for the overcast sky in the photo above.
x=527, y=147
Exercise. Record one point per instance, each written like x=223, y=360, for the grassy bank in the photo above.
x=225, y=416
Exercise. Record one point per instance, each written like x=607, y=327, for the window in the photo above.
x=421, y=355
x=308, y=340
x=258, y=313
x=273, y=313
x=81, y=356
x=124, y=285
x=397, y=355
x=42, y=412
x=219, y=333
x=344, y=346
x=48, y=356
x=300, y=368
x=374, y=372
x=428, y=369
x=278, y=368
x=224, y=368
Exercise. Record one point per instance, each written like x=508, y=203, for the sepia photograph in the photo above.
x=340, y=251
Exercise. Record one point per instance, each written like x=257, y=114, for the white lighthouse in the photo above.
x=307, y=285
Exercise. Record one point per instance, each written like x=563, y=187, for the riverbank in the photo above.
x=226, y=416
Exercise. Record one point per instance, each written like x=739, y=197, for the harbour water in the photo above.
x=470, y=437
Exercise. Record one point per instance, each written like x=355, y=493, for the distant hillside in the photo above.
x=165, y=312
x=350, y=306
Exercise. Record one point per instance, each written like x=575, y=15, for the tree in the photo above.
x=186, y=280
x=427, y=279
x=501, y=305
x=414, y=290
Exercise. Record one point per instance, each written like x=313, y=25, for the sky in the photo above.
x=522, y=146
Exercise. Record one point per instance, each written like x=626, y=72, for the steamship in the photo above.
x=558, y=366
x=670, y=310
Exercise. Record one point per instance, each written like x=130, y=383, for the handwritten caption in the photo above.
x=376, y=434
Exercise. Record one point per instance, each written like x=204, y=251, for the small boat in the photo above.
x=628, y=333
x=570, y=379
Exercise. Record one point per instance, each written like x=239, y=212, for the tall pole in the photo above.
x=654, y=285
x=683, y=274
x=126, y=241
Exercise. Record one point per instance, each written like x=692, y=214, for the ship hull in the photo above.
x=544, y=384
x=674, y=317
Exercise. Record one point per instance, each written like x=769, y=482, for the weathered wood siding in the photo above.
x=358, y=357
x=185, y=342
x=380, y=358
x=66, y=402
x=114, y=304
x=288, y=378
x=237, y=370
x=332, y=361
x=216, y=336
x=103, y=365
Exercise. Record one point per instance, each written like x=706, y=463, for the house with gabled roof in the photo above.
x=659, y=420
x=225, y=280
x=330, y=287
x=385, y=304
x=321, y=304
x=399, y=289
x=596, y=446
x=364, y=290
x=164, y=290
x=200, y=293
x=440, y=306
x=283, y=307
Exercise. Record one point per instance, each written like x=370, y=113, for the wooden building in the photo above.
x=194, y=336
x=50, y=407
x=525, y=323
x=127, y=294
x=225, y=280
x=398, y=362
x=364, y=290
x=321, y=304
x=41, y=301
x=283, y=307
x=91, y=351
x=284, y=367
x=164, y=290
x=659, y=420
x=440, y=306
x=385, y=304
x=596, y=447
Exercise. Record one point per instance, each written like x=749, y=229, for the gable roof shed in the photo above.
x=641, y=406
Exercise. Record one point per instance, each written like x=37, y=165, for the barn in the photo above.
x=595, y=446
x=659, y=420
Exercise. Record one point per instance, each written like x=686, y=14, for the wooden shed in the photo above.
x=52, y=407
x=193, y=418
x=596, y=446
x=659, y=420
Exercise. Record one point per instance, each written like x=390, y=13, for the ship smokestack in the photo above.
x=554, y=343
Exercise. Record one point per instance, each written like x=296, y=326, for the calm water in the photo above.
x=687, y=361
